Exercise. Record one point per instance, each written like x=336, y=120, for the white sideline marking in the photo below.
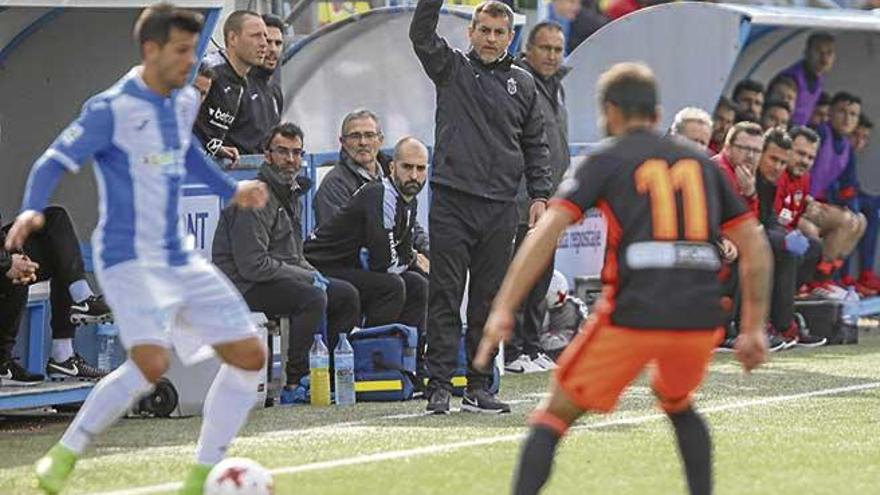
x=436, y=449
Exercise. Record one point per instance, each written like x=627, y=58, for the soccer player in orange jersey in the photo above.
x=665, y=204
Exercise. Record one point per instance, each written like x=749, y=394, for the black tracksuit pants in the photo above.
x=56, y=249
x=789, y=273
x=467, y=234
x=530, y=318
x=388, y=298
x=306, y=306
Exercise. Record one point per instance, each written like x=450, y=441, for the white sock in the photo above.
x=62, y=349
x=80, y=291
x=109, y=400
x=230, y=399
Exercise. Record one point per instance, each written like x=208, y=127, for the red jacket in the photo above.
x=791, y=198
x=726, y=167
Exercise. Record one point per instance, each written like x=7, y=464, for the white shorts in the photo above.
x=190, y=307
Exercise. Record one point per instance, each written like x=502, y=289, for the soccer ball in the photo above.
x=239, y=476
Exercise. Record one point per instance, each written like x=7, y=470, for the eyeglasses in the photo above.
x=357, y=136
x=748, y=150
x=281, y=151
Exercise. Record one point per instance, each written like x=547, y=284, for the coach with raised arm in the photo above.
x=489, y=132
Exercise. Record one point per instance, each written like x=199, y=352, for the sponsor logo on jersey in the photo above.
x=220, y=117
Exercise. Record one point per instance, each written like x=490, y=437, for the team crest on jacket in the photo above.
x=511, y=86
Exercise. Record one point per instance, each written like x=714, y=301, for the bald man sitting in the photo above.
x=369, y=243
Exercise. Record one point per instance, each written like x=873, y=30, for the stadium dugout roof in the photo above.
x=54, y=55
x=700, y=50
x=106, y=3
x=366, y=61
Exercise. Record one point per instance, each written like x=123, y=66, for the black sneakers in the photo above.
x=481, y=401
x=92, y=310
x=438, y=402
x=14, y=374
x=74, y=367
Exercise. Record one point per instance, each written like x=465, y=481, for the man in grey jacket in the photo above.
x=489, y=134
x=543, y=60
x=360, y=162
x=261, y=251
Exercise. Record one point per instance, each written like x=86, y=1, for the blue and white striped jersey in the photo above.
x=143, y=146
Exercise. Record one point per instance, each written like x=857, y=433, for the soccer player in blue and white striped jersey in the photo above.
x=139, y=133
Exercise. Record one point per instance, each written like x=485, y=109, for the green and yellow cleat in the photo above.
x=195, y=480
x=54, y=468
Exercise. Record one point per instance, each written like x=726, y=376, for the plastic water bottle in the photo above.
x=319, y=372
x=107, y=335
x=850, y=314
x=343, y=362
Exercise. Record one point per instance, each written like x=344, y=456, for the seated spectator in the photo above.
x=790, y=247
x=809, y=75
x=261, y=251
x=748, y=96
x=694, y=125
x=777, y=113
x=793, y=195
x=821, y=112
x=738, y=161
x=360, y=162
x=839, y=227
x=244, y=33
x=783, y=88
x=869, y=205
x=847, y=192
x=51, y=254
x=369, y=242
x=739, y=158
x=722, y=120
x=261, y=101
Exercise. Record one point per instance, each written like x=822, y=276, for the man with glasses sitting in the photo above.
x=738, y=162
x=739, y=159
x=369, y=243
x=360, y=162
x=261, y=251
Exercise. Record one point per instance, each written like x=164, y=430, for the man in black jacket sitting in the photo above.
x=360, y=161
x=369, y=242
x=261, y=251
x=53, y=254
x=791, y=249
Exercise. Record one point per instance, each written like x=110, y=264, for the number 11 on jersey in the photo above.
x=661, y=182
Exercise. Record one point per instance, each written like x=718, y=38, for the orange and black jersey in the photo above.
x=664, y=204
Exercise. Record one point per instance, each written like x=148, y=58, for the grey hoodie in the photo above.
x=262, y=244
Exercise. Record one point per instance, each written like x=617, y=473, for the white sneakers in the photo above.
x=545, y=362
x=830, y=291
x=525, y=364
